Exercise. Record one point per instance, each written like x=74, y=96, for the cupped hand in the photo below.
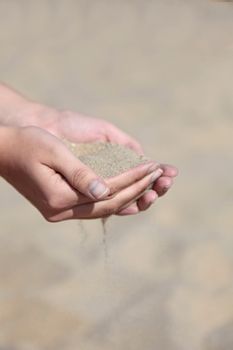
x=79, y=128
x=61, y=187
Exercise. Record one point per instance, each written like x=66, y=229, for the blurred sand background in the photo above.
x=163, y=71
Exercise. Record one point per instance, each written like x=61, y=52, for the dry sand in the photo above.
x=107, y=159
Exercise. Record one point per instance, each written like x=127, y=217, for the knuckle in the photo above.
x=78, y=176
x=55, y=202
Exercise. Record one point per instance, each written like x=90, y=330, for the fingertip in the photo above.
x=131, y=176
x=147, y=200
x=131, y=210
x=162, y=185
x=169, y=170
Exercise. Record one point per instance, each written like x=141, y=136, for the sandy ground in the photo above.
x=163, y=71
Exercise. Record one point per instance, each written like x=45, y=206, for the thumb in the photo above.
x=78, y=175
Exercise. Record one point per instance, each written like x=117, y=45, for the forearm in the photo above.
x=16, y=110
x=7, y=137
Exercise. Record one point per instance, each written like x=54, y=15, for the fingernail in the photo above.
x=156, y=175
x=151, y=167
x=97, y=189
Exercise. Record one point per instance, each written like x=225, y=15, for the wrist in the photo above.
x=43, y=117
x=14, y=108
x=17, y=111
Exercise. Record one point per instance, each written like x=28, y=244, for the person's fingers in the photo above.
x=130, y=210
x=126, y=179
x=169, y=170
x=142, y=204
x=107, y=207
x=162, y=185
x=147, y=200
x=73, y=197
x=59, y=195
x=78, y=175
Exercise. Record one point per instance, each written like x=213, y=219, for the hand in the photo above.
x=15, y=110
x=79, y=128
x=44, y=171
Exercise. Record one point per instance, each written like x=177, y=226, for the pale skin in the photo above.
x=37, y=163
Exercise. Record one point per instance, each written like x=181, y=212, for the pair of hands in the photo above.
x=42, y=169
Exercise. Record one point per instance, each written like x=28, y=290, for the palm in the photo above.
x=82, y=129
x=79, y=128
